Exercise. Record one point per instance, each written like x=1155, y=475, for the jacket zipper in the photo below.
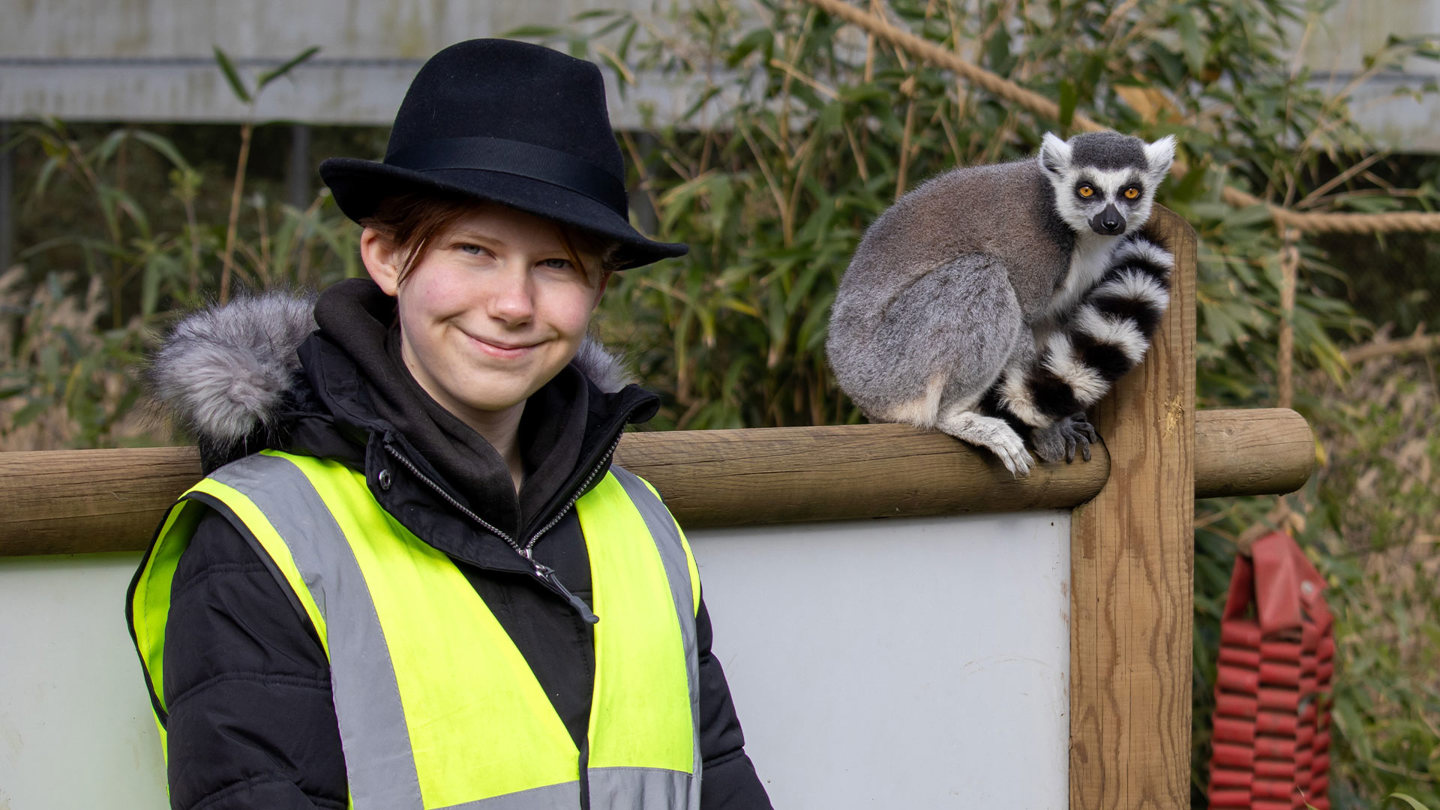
x=543, y=572
x=584, y=486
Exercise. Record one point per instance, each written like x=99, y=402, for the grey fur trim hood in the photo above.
x=226, y=373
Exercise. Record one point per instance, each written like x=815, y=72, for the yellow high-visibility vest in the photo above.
x=437, y=708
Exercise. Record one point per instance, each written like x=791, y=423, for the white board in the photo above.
x=918, y=663
x=76, y=731
x=898, y=663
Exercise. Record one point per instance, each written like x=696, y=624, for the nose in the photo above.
x=512, y=298
x=1108, y=222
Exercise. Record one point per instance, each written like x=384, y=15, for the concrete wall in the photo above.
x=918, y=663
x=1335, y=51
x=142, y=60
x=151, y=59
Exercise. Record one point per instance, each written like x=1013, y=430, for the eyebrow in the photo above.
x=477, y=235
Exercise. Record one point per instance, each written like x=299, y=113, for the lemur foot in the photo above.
x=1064, y=438
x=994, y=435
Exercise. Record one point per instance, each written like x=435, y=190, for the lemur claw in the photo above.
x=1014, y=456
x=1065, y=438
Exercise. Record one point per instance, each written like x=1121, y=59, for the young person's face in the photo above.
x=494, y=309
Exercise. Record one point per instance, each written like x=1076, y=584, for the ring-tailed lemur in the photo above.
x=1007, y=296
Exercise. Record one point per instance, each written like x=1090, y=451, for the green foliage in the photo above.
x=64, y=381
x=145, y=242
x=156, y=251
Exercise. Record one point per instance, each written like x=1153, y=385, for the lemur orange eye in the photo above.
x=1132, y=193
x=1086, y=191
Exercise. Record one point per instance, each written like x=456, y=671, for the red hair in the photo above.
x=413, y=221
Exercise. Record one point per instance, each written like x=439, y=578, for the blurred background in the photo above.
x=156, y=155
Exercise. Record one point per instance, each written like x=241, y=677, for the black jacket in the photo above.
x=246, y=683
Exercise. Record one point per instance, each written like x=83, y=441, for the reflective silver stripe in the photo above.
x=640, y=788
x=373, y=734
x=551, y=797
x=677, y=567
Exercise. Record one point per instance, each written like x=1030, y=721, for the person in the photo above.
x=413, y=577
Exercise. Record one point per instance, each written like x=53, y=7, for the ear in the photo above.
x=382, y=260
x=600, y=288
x=1160, y=155
x=1054, y=154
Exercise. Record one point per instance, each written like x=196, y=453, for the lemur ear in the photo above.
x=1054, y=154
x=1160, y=155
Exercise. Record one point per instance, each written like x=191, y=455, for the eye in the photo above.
x=1132, y=193
x=557, y=264
x=471, y=248
x=1085, y=191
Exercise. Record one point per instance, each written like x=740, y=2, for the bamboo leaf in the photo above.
x=164, y=146
x=232, y=76
x=535, y=32
x=289, y=65
x=1068, y=98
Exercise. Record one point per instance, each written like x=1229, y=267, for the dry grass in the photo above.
x=67, y=382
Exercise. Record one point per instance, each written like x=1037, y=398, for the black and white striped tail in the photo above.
x=1106, y=336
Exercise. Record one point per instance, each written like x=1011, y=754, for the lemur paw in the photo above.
x=1012, y=453
x=1065, y=438
x=992, y=434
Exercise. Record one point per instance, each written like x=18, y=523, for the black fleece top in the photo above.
x=251, y=723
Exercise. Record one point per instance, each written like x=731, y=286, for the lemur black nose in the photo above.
x=1108, y=221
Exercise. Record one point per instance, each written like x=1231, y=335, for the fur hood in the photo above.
x=228, y=373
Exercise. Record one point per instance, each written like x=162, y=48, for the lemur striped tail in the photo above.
x=1106, y=336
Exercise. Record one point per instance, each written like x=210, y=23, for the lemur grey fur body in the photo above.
x=1007, y=296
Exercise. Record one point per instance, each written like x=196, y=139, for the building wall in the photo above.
x=151, y=59
x=142, y=60
x=1384, y=103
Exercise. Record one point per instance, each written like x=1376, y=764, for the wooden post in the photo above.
x=1132, y=564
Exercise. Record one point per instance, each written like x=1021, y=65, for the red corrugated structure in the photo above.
x=1272, y=691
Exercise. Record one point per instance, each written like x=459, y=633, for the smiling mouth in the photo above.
x=501, y=349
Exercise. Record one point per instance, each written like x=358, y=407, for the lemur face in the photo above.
x=1105, y=201
x=1104, y=183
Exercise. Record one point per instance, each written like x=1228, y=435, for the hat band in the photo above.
x=519, y=159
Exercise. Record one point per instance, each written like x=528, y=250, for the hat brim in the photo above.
x=359, y=186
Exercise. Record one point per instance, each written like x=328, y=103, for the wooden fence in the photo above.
x=1131, y=552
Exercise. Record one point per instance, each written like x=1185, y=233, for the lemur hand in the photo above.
x=1064, y=438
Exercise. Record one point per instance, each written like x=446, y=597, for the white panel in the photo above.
x=899, y=663
x=76, y=729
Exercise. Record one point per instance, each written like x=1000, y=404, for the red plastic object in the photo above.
x=1271, y=733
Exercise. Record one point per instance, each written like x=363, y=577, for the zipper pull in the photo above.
x=547, y=575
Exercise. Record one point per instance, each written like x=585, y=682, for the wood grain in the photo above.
x=78, y=501
x=1132, y=564
x=1252, y=451
x=788, y=475
x=81, y=501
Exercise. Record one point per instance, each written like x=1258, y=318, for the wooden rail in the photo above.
x=79, y=501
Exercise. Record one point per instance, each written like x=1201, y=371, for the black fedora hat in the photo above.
x=508, y=122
